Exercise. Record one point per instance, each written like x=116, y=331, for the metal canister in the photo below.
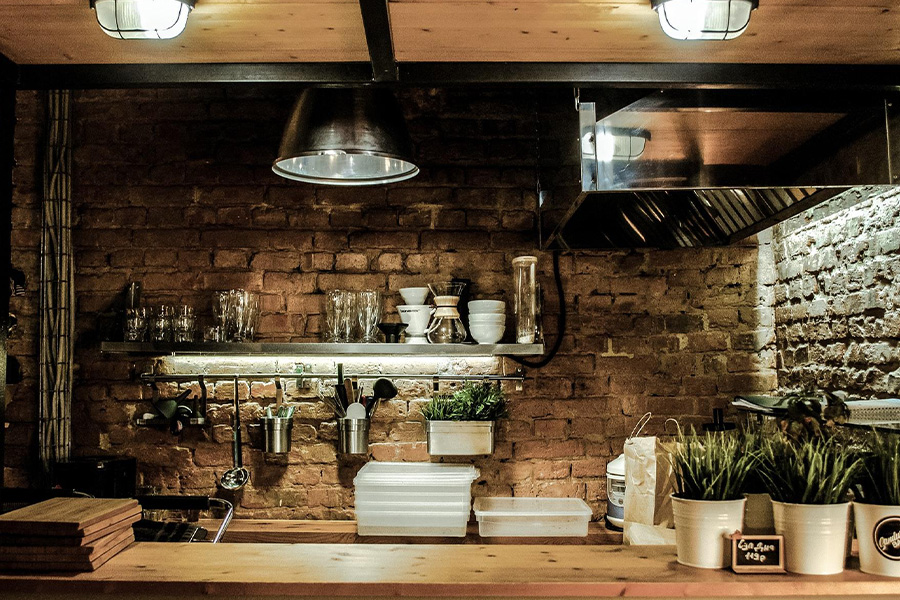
x=353, y=436
x=276, y=434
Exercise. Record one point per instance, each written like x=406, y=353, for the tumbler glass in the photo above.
x=135, y=324
x=184, y=324
x=368, y=310
x=161, y=330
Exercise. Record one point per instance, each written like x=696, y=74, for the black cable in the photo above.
x=560, y=324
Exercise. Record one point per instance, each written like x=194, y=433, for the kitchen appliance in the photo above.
x=702, y=167
x=615, y=493
x=446, y=326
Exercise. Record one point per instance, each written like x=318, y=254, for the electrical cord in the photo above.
x=561, y=322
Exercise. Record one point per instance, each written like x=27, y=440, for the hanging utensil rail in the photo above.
x=519, y=376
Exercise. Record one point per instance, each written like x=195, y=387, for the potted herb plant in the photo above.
x=809, y=482
x=462, y=424
x=877, y=506
x=708, y=504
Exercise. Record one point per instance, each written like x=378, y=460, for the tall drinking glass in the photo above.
x=526, y=299
x=368, y=308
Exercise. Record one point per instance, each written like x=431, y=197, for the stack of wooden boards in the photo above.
x=66, y=534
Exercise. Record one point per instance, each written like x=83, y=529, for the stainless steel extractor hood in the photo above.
x=681, y=168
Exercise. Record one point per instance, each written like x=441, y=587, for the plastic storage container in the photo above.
x=414, y=499
x=532, y=517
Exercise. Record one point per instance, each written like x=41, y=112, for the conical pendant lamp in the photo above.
x=346, y=136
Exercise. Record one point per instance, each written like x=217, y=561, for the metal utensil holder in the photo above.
x=276, y=434
x=353, y=436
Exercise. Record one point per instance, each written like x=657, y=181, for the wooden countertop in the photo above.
x=285, y=531
x=514, y=571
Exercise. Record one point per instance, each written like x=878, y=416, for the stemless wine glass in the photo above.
x=368, y=310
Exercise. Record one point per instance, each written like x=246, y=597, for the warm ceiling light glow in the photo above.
x=704, y=19
x=142, y=19
x=616, y=144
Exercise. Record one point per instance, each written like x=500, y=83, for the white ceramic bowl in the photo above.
x=498, y=319
x=487, y=334
x=414, y=295
x=477, y=307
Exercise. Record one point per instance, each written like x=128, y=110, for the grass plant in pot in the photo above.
x=877, y=506
x=809, y=482
x=708, y=505
x=462, y=423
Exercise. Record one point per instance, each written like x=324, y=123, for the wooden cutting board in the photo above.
x=79, y=554
x=67, y=516
x=57, y=565
x=91, y=535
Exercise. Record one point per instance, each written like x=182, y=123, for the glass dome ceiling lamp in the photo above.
x=142, y=19
x=346, y=136
x=704, y=19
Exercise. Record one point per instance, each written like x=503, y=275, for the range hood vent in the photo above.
x=714, y=167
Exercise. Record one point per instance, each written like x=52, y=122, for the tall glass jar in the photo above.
x=526, y=305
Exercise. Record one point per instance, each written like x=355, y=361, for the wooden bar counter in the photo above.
x=151, y=570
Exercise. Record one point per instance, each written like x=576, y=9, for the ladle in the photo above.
x=236, y=477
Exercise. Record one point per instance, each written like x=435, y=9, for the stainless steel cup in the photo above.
x=276, y=434
x=353, y=436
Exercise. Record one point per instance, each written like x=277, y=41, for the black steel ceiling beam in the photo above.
x=9, y=72
x=377, y=24
x=812, y=78
x=170, y=75
x=659, y=75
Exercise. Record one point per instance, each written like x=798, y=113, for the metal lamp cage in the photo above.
x=142, y=19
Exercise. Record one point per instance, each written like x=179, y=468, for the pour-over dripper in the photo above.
x=446, y=326
x=446, y=288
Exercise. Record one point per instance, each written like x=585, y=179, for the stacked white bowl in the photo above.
x=487, y=320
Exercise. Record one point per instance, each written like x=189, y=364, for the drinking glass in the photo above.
x=527, y=304
x=161, y=330
x=332, y=331
x=135, y=324
x=184, y=324
x=368, y=311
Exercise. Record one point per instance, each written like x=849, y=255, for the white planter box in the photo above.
x=815, y=536
x=459, y=438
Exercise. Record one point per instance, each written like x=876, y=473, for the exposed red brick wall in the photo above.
x=173, y=188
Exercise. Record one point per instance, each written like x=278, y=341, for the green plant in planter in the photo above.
x=473, y=402
x=713, y=466
x=812, y=471
x=879, y=481
x=811, y=415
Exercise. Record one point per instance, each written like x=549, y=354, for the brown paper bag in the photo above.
x=649, y=483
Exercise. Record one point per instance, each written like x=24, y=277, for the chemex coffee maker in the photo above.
x=446, y=326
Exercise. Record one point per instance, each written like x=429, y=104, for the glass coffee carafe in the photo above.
x=446, y=326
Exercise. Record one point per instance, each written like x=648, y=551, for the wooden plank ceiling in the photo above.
x=277, y=31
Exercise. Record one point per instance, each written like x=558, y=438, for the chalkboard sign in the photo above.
x=757, y=553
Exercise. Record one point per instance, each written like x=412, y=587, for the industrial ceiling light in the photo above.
x=704, y=19
x=610, y=144
x=346, y=136
x=142, y=19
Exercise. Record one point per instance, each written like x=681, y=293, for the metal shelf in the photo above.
x=320, y=349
